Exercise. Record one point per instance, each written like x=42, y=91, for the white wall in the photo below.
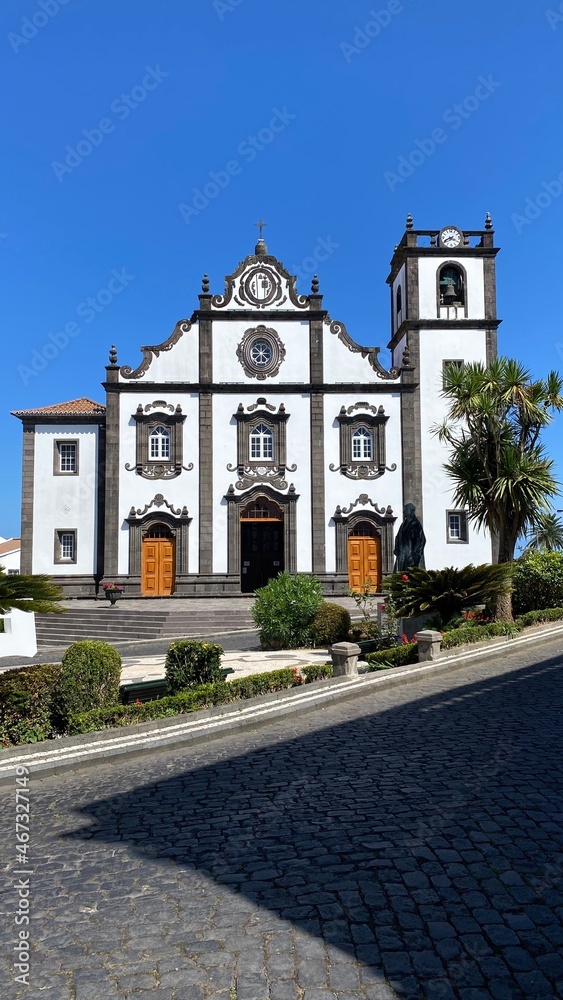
x=18, y=637
x=227, y=335
x=179, y=364
x=135, y=491
x=65, y=502
x=11, y=560
x=435, y=346
x=343, y=365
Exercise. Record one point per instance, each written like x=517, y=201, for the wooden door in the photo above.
x=364, y=561
x=158, y=567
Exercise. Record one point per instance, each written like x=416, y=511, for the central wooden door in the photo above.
x=364, y=557
x=158, y=564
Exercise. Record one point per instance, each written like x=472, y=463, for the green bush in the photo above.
x=537, y=617
x=284, y=610
x=317, y=672
x=478, y=633
x=447, y=592
x=89, y=678
x=205, y=696
x=537, y=582
x=26, y=703
x=396, y=656
x=190, y=664
x=330, y=624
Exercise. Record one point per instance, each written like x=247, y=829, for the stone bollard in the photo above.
x=345, y=658
x=429, y=645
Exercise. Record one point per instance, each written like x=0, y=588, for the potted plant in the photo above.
x=112, y=591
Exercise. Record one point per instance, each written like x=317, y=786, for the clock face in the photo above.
x=451, y=237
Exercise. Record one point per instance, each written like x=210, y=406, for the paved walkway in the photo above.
x=148, y=668
x=404, y=845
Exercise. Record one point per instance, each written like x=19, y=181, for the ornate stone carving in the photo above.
x=159, y=501
x=159, y=470
x=376, y=410
x=249, y=475
x=365, y=471
x=371, y=353
x=154, y=352
x=160, y=404
x=261, y=352
x=269, y=270
x=364, y=499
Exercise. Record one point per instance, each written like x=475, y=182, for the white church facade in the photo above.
x=260, y=437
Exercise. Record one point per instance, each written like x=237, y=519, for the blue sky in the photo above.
x=176, y=99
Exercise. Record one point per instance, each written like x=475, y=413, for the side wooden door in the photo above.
x=158, y=569
x=364, y=561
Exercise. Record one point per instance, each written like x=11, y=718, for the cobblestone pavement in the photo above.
x=404, y=845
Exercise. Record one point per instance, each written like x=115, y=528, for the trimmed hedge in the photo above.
x=189, y=664
x=478, y=633
x=536, y=617
x=26, y=703
x=206, y=696
x=317, y=672
x=537, y=582
x=396, y=656
x=89, y=679
x=330, y=624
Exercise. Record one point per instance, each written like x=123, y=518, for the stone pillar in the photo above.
x=429, y=645
x=345, y=659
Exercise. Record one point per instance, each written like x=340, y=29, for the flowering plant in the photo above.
x=112, y=586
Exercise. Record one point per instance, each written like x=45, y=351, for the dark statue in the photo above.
x=410, y=541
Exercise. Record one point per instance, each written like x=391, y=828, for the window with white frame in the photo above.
x=65, y=458
x=65, y=545
x=159, y=444
x=261, y=442
x=362, y=445
x=457, y=526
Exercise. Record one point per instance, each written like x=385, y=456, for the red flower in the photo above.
x=382, y=607
x=405, y=640
x=404, y=578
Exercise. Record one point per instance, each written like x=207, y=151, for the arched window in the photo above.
x=399, y=304
x=261, y=442
x=362, y=445
x=159, y=443
x=451, y=286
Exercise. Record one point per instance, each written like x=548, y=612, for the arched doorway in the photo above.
x=158, y=564
x=261, y=543
x=364, y=555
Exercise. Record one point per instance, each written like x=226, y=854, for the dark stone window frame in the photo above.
x=463, y=274
x=57, y=471
x=271, y=469
x=373, y=420
x=58, y=545
x=459, y=362
x=384, y=526
x=158, y=468
x=464, y=526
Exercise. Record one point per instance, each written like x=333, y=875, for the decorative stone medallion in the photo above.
x=261, y=352
x=261, y=286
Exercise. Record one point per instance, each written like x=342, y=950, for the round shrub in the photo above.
x=26, y=703
x=537, y=582
x=190, y=664
x=284, y=610
x=330, y=624
x=89, y=678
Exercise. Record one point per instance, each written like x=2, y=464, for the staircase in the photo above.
x=130, y=621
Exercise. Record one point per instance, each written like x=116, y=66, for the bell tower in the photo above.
x=443, y=310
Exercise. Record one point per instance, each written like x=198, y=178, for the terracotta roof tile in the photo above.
x=82, y=407
x=10, y=545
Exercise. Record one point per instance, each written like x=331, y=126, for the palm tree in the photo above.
x=500, y=471
x=29, y=593
x=547, y=536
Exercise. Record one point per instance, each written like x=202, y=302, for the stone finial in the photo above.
x=410, y=223
x=488, y=222
x=113, y=355
x=315, y=285
x=406, y=360
x=205, y=284
x=185, y=512
x=433, y=240
x=345, y=659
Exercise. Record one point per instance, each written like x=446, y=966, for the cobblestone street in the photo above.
x=407, y=845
